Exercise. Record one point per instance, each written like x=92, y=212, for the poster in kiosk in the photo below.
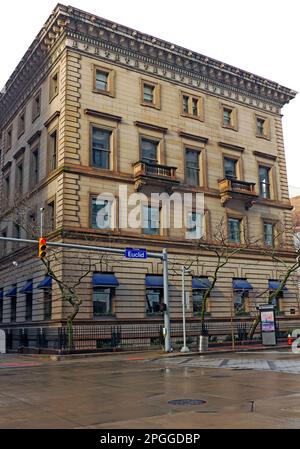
x=268, y=324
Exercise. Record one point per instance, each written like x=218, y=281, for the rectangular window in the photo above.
x=8, y=135
x=101, y=148
x=260, y=126
x=102, y=301
x=154, y=301
x=36, y=106
x=54, y=85
x=34, y=168
x=52, y=142
x=277, y=302
x=101, y=214
x=264, y=181
x=21, y=123
x=192, y=167
x=149, y=151
x=234, y=230
x=192, y=106
x=151, y=220
x=3, y=245
x=268, y=234
x=150, y=94
x=47, y=304
x=194, y=226
x=104, y=81
x=28, y=310
x=13, y=307
x=230, y=167
x=6, y=187
x=19, y=178
x=50, y=217
x=101, y=80
x=239, y=301
x=198, y=296
x=227, y=117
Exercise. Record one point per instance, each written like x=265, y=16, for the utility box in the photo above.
x=268, y=324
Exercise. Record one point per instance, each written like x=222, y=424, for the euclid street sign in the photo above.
x=135, y=253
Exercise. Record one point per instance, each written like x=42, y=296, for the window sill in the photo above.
x=150, y=105
x=262, y=136
x=103, y=92
x=231, y=127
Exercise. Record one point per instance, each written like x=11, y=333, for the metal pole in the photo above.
x=42, y=216
x=166, y=302
x=184, y=347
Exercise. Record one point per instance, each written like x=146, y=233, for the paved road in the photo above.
x=260, y=390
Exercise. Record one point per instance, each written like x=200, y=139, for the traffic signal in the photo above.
x=42, y=247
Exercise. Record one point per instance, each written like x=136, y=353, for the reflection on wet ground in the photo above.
x=241, y=390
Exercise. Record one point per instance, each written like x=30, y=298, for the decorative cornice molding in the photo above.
x=50, y=119
x=230, y=146
x=35, y=136
x=124, y=46
x=19, y=153
x=272, y=157
x=151, y=126
x=193, y=137
x=104, y=115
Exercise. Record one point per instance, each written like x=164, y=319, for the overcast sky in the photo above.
x=261, y=36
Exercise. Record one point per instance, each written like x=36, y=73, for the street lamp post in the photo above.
x=183, y=271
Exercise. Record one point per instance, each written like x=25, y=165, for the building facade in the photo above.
x=94, y=105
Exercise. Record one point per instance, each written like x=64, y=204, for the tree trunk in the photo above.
x=70, y=320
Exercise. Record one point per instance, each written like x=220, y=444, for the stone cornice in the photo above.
x=230, y=146
x=104, y=115
x=125, y=46
x=193, y=137
x=151, y=127
x=272, y=157
x=34, y=137
x=50, y=119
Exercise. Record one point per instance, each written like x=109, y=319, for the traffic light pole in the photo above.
x=163, y=256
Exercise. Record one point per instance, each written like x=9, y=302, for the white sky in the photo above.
x=261, y=36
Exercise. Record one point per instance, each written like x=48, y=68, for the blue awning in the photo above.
x=241, y=284
x=45, y=283
x=1, y=294
x=154, y=281
x=105, y=280
x=201, y=283
x=11, y=293
x=274, y=284
x=27, y=288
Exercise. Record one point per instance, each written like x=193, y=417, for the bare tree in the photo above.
x=287, y=268
x=224, y=250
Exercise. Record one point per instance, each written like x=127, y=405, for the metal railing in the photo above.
x=142, y=168
x=131, y=336
x=230, y=184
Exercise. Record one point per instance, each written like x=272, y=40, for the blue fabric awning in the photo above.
x=45, y=283
x=274, y=284
x=1, y=294
x=154, y=281
x=241, y=284
x=11, y=293
x=201, y=283
x=105, y=280
x=27, y=288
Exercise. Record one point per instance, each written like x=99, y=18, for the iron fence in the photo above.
x=131, y=336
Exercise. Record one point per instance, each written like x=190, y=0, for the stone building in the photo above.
x=94, y=105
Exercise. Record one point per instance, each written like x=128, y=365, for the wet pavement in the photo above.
x=239, y=390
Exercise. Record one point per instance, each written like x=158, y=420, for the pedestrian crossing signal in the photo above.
x=42, y=247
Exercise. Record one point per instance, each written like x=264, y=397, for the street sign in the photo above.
x=136, y=253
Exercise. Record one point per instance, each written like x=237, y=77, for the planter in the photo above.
x=203, y=343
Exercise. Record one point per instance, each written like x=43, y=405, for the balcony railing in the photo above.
x=231, y=188
x=143, y=168
x=148, y=173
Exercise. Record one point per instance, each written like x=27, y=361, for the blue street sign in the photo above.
x=135, y=253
